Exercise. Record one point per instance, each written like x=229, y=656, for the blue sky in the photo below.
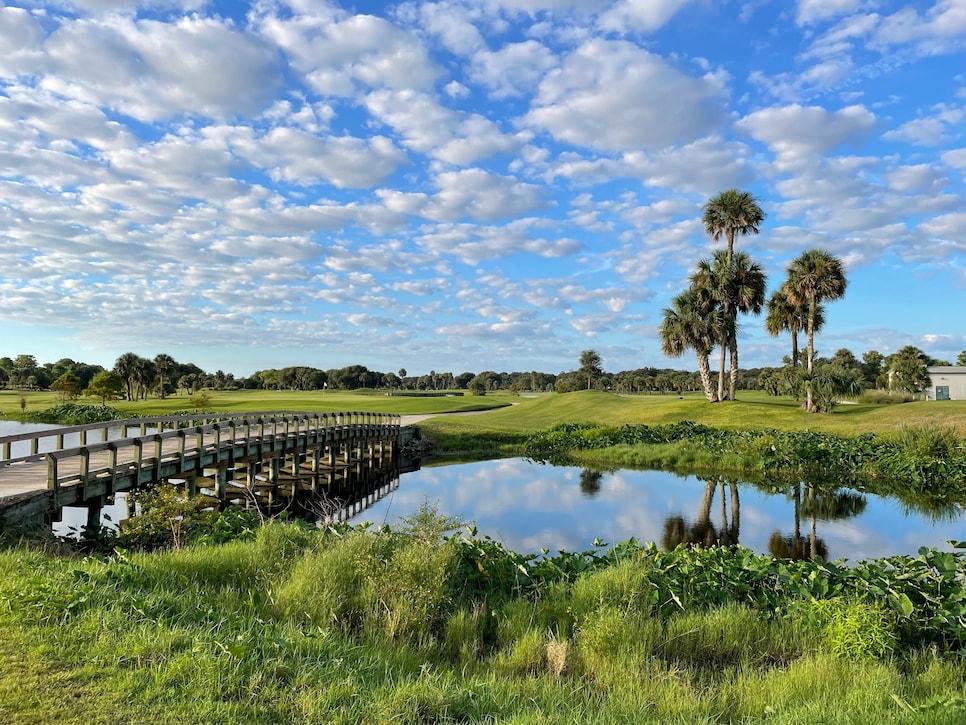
x=463, y=186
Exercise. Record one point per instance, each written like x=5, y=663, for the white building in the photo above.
x=947, y=382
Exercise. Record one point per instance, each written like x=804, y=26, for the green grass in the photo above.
x=517, y=414
x=272, y=630
x=239, y=401
x=752, y=410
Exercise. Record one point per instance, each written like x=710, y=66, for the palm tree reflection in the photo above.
x=825, y=505
x=590, y=482
x=702, y=532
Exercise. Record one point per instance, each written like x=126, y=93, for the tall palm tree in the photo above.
x=730, y=288
x=732, y=212
x=686, y=326
x=814, y=277
x=746, y=290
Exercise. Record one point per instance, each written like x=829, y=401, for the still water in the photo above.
x=530, y=507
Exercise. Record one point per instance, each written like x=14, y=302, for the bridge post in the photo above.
x=52, y=483
x=221, y=482
x=94, y=507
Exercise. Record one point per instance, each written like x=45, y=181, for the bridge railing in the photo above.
x=148, y=451
x=34, y=446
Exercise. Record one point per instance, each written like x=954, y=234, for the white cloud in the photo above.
x=615, y=96
x=339, y=56
x=152, y=70
x=941, y=29
x=305, y=158
x=480, y=195
x=917, y=179
x=931, y=130
x=513, y=70
x=812, y=11
x=798, y=134
x=956, y=158
x=643, y=15
x=20, y=37
x=429, y=128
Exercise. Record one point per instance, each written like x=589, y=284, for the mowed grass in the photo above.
x=242, y=401
x=520, y=415
x=752, y=410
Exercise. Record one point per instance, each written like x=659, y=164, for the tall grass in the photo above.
x=355, y=626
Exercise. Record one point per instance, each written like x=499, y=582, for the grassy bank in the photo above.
x=355, y=627
x=516, y=414
x=239, y=401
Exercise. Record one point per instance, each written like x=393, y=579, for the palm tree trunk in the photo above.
x=810, y=355
x=704, y=371
x=704, y=515
x=725, y=538
x=723, y=342
x=735, y=512
x=813, y=535
x=794, y=347
x=733, y=381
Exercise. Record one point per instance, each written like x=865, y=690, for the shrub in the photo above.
x=853, y=630
x=885, y=397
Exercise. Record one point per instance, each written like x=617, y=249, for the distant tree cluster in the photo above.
x=135, y=378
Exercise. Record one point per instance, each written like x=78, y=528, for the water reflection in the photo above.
x=701, y=531
x=590, y=481
x=530, y=507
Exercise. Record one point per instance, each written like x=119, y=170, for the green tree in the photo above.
x=814, y=277
x=961, y=360
x=106, y=385
x=685, y=326
x=590, y=365
x=732, y=212
x=164, y=366
x=907, y=370
x=872, y=367
x=127, y=366
x=22, y=369
x=68, y=385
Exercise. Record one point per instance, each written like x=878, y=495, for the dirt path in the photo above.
x=414, y=419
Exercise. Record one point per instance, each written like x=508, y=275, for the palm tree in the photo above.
x=730, y=213
x=686, y=326
x=590, y=362
x=143, y=376
x=127, y=366
x=783, y=316
x=164, y=365
x=746, y=290
x=814, y=277
x=729, y=287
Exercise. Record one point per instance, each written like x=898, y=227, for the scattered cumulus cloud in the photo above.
x=478, y=184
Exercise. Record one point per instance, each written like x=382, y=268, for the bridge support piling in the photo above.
x=94, y=507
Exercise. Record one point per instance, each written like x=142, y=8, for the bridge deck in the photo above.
x=46, y=474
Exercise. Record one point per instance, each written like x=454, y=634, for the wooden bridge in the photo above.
x=268, y=460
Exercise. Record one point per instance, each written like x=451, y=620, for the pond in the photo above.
x=530, y=507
